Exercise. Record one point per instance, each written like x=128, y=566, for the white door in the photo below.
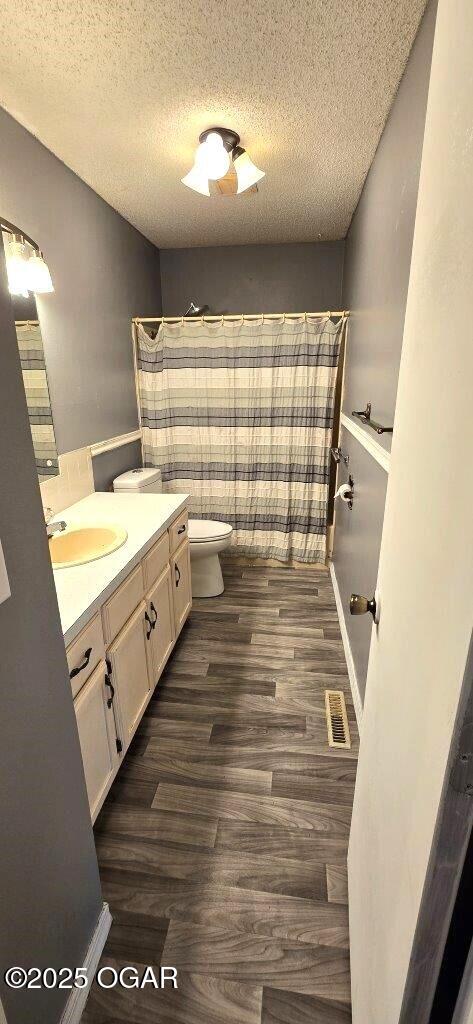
x=419, y=650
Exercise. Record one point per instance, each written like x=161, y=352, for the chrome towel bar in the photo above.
x=365, y=417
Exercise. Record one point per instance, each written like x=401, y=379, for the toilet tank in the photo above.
x=142, y=481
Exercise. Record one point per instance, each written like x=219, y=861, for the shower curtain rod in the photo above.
x=232, y=316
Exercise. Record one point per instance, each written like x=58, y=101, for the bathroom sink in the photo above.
x=84, y=544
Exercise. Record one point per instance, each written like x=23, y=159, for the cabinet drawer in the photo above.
x=178, y=531
x=84, y=653
x=155, y=561
x=121, y=604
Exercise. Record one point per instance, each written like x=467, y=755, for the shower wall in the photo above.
x=254, y=278
x=375, y=281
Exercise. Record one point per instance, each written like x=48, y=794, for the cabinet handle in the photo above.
x=177, y=573
x=108, y=682
x=182, y=529
x=80, y=668
x=150, y=624
x=153, y=609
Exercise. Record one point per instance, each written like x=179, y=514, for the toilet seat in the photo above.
x=201, y=531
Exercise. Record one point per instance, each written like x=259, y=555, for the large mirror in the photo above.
x=28, y=275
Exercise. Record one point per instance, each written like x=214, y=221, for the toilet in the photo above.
x=145, y=481
x=207, y=537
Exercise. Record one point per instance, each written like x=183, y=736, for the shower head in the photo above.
x=196, y=310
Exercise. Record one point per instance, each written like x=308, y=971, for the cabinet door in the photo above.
x=127, y=661
x=181, y=585
x=97, y=736
x=161, y=628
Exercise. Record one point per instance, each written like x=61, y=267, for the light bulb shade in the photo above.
x=37, y=275
x=247, y=172
x=17, y=268
x=212, y=157
x=197, y=180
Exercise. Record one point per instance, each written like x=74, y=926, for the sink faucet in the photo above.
x=52, y=528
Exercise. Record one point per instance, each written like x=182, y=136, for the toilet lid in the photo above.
x=207, y=529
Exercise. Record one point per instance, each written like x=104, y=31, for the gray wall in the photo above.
x=110, y=464
x=49, y=884
x=104, y=273
x=375, y=282
x=253, y=278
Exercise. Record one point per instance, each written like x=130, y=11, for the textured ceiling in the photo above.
x=120, y=91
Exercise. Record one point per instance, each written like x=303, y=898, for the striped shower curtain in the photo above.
x=33, y=368
x=239, y=414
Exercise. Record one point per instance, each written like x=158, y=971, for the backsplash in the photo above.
x=75, y=481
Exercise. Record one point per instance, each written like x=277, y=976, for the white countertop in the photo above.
x=82, y=589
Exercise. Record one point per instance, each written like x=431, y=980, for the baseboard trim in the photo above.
x=355, y=690
x=78, y=997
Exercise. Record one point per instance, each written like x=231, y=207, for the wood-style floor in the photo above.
x=222, y=845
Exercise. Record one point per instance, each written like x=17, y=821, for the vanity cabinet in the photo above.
x=97, y=737
x=181, y=585
x=118, y=658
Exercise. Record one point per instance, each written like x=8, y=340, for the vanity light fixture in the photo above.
x=27, y=270
x=17, y=266
x=219, y=152
x=38, y=275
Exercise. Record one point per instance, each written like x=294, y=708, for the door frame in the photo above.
x=447, y=856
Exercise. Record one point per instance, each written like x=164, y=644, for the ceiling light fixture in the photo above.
x=247, y=172
x=218, y=152
x=197, y=180
x=212, y=158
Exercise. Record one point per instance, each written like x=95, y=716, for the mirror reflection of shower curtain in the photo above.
x=239, y=414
